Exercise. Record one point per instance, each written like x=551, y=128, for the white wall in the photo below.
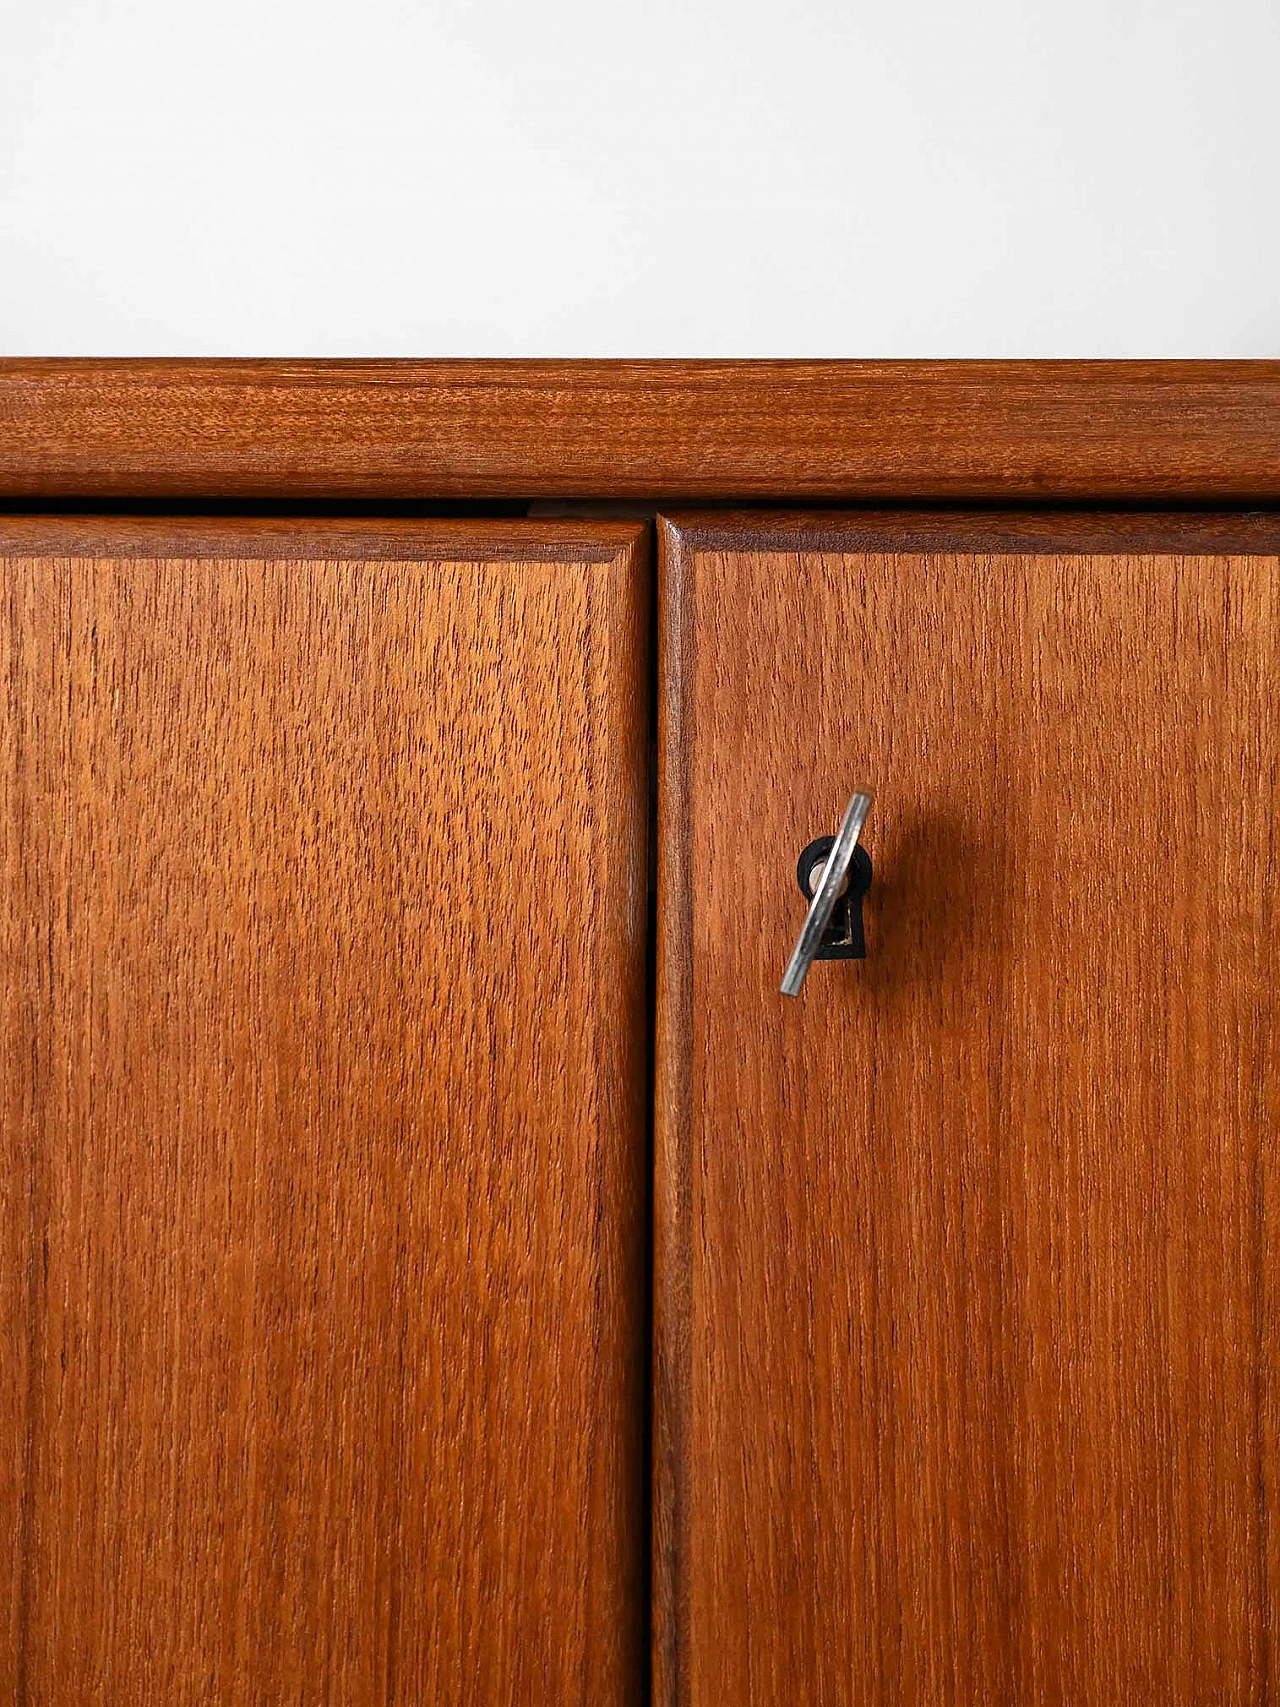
x=640, y=177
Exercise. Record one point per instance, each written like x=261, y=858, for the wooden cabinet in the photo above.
x=968, y=1260
x=423, y=1222
x=324, y=1200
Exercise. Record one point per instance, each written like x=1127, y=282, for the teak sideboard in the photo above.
x=439, y=1264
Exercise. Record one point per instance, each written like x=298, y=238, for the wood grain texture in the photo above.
x=787, y=431
x=970, y=1257
x=324, y=1201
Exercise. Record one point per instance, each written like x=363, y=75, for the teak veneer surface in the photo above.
x=315, y=431
x=967, y=1262
x=323, y=1027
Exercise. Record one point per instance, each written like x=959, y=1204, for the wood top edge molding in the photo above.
x=307, y=431
x=982, y=533
x=431, y=539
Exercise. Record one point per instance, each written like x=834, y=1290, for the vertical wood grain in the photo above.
x=673, y=1303
x=977, y=1276
x=323, y=1004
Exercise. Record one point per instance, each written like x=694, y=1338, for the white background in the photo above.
x=616, y=177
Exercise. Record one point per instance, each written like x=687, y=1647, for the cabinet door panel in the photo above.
x=968, y=1260
x=323, y=1017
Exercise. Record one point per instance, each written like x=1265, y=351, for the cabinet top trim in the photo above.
x=294, y=432
x=982, y=533
x=432, y=539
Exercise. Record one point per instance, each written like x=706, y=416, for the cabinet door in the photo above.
x=968, y=1260
x=323, y=1207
